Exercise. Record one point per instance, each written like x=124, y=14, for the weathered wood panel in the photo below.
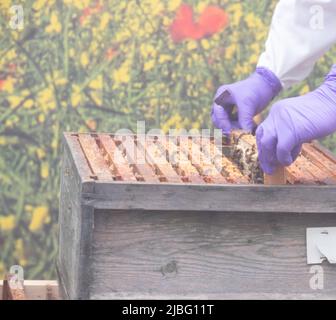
x=139, y=235
x=82, y=169
x=220, y=198
x=75, y=220
x=205, y=255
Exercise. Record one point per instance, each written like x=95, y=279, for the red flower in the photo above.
x=212, y=20
x=2, y=83
x=183, y=24
x=86, y=12
x=110, y=53
x=89, y=11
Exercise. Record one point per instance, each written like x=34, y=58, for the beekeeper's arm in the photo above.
x=300, y=33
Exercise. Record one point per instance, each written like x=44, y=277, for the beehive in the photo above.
x=155, y=216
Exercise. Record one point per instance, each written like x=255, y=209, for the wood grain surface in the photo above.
x=185, y=254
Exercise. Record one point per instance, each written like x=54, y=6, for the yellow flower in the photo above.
x=45, y=170
x=97, y=97
x=39, y=4
x=8, y=85
x=149, y=65
x=166, y=21
x=61, y=81
x=243, y=70
x=255, y=47
x=164, y=58
x=54, y=144
x=201, y=6
x=196, y=125
x=75, y=99
x=205, y=44
x=20, y=252
x=5, y=5
x=71, y=52
x=41, y=118
x=196, y=57
x=84, y=59
x=28, y=208
x=9, y=123
x=305, y=89
x=92, y=124
x=25, y=92
x=230, y=51
x=148, y=28
x=253, y=22
x=40, y=153
x=94, y=45
x=105, y=18
x=209, y=85
x=58, y=78
x=236, y=12
x=7, y=223
x=14, y=101
x=134, y=26
x=173, y=4
x=253, y=58
x=54, y=25
x=122, y=75
x=40, y=216
x=79, y=4
x=191, y=45
x=76, y=96
x=46, y=99
x=261, y=35
x=147, y=50
x=11, y=54
x=97, y=83
x=122, y=35
x=28, y=104
x=2, y=141
x=155, y=8
x=174, y=122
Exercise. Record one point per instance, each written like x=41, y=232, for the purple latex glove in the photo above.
x=292, y=122
x=250, y=96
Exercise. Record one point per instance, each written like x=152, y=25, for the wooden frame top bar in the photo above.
x=104, y=157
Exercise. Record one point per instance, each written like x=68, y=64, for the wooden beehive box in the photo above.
x=161, y=228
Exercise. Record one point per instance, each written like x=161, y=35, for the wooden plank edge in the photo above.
x=38, y=289
x=214, y=197
x=13, y=290
x=77, y=155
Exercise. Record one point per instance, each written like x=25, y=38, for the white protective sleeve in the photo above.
x=300, y=33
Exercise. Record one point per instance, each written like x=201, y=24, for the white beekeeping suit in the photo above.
x=301, y=32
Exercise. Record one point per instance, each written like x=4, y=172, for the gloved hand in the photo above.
x=292, y=122
x=250, y=96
